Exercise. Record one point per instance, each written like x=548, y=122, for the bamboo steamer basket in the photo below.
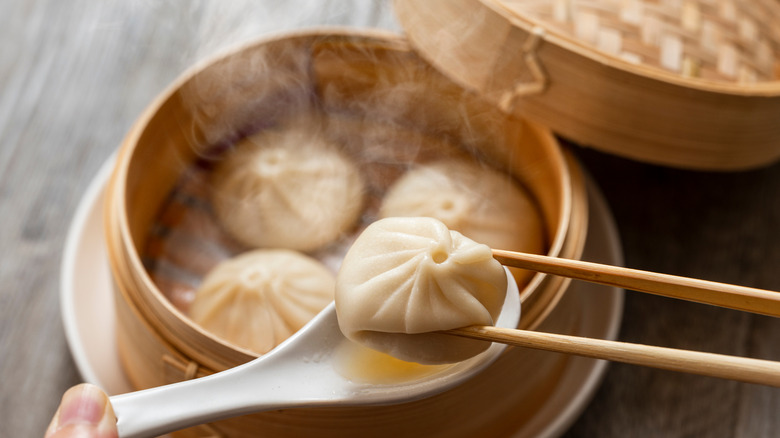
x=684, y=83
x=339, y=72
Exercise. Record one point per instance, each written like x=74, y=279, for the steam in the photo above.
x=385, y=108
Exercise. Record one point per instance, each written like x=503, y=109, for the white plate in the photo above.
x=88, y=310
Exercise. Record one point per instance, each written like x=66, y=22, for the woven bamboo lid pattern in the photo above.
x=685, y=83
x=722, y=40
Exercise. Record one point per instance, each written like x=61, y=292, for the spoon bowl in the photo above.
x=300, y=372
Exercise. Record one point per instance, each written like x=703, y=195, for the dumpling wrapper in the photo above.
x=287, y=188
x=259, y=298
x=404, y=278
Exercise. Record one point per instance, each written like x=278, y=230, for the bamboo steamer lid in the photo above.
x=684, y=83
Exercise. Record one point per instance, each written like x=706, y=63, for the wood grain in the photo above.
x=74, y=75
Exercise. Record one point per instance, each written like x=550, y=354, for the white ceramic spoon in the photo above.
x=300, y=372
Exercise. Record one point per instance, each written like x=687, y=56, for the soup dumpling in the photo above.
x=405, y=277
x=259, y=298
x=287, y=188
x=478, y=201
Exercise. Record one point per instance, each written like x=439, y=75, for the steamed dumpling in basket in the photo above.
x=287, y=188
x=258, y=299
x=482, y=203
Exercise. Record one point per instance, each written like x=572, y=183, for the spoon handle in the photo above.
x=743, y=369
x=747, y=299
x=156, y=411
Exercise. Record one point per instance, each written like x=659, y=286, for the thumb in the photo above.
x=85, y=412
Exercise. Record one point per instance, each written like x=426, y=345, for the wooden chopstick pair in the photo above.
x=759, y=301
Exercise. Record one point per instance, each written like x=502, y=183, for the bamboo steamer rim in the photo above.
x=125, y=260
x=128, y=265
x=551, y=35
x=573, y=245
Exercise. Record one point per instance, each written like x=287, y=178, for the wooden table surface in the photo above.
x=75, y=74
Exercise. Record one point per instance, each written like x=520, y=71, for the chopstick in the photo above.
x=747, y=299
x=743, y=369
